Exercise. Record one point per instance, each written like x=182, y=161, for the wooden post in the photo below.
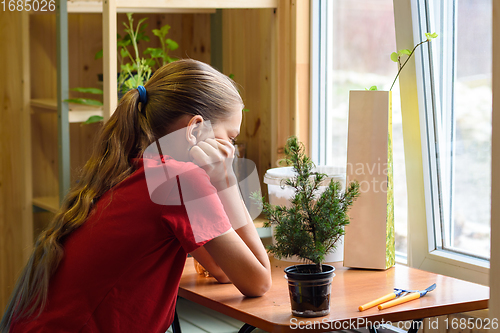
x=302, y=91
x=62, y=94
x=110, y=88
x=293, y=68
x=16, y=217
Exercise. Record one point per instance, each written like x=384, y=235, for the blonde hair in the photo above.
x=184, y=87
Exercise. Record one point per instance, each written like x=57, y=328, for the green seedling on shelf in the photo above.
x=135, y=69
x=138, y=70
x=167, y=45
x=86, y=101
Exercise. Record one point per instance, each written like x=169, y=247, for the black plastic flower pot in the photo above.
x=309, y=289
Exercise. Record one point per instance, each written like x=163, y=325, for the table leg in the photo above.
x=176, y=326
x=246, y=328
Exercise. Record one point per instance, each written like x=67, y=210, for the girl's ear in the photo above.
x=194, y=130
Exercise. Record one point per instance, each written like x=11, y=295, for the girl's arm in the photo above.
x=205, y=259
x=241, y=266
x=241, y=221
x=240, y=254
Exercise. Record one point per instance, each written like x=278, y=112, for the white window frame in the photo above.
x=494, y=303
x=423, y=252
x=423, y=249
x=321, y=55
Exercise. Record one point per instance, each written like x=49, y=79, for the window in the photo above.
x=446, y=97
x=352, y=44
x=456, y=74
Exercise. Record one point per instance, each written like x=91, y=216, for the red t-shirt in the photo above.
x=121, y=269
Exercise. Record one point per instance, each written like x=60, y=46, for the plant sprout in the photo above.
x=396, y=57
x=141, y=66
x=166, y=45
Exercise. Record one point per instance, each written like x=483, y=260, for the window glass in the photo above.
x=461, y=91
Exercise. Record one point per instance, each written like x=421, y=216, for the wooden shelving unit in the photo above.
x=112, y=7
x=77, y=113
x=60, y=50
x=96, y=7
x=54, y=167
x=251, y=39
x=50, y=204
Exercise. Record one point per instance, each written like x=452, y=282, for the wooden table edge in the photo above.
x=368, y=319
x=369, y=316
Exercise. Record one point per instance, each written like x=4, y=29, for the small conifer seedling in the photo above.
x=314, y=223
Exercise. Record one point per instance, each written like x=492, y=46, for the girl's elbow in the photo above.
x=258, y=289
x=264, y=288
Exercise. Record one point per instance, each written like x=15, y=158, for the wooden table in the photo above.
x=350, y=289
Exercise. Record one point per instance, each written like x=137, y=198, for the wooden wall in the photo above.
x=293, y=78
x=15, y=177
x=248, y=53
x=267, y=50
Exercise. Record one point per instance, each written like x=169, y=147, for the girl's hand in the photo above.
x=215, y=156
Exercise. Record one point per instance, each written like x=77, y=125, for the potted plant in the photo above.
x=309, y=228
x=135, y=69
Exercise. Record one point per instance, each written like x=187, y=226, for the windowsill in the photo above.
x=468, y=260
x=455, y=265
x=402, y=259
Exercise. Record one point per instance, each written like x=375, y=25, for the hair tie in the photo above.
x=143, y=97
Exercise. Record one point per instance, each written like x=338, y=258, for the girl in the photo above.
x=112, y=258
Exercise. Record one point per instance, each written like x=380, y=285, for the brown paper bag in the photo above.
x=369, y=238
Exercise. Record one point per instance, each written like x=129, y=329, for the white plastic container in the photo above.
x=280, y=194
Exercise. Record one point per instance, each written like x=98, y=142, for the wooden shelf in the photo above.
x=77, y=113
x=96, y=7
x=50, y=204
x=44, y=103
x=196, y=4
x=168, y=6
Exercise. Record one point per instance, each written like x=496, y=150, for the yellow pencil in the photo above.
x=378, y=301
